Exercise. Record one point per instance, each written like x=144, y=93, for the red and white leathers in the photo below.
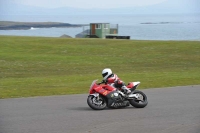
x=114, y=79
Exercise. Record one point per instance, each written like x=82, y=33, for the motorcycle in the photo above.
x=102, y=95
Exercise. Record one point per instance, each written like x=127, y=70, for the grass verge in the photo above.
x=39, y=66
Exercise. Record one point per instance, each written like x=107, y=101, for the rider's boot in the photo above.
x=126, y=90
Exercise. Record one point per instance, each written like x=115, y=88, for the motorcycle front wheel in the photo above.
x=141, y=101
x=96, y=103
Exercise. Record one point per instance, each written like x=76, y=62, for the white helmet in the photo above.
x=106, y=73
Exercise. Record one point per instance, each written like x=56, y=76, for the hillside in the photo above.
x=10, y=25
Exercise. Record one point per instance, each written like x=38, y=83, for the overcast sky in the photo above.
x=88, y=3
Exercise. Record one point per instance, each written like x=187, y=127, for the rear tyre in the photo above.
x=96, y=103
x=141, y=102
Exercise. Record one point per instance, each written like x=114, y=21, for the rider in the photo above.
x=109, y=78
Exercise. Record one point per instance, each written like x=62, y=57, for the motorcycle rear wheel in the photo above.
x=96, y=103
x=141, y=102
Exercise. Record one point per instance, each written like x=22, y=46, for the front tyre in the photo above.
x=139, y=102
x=96, y=103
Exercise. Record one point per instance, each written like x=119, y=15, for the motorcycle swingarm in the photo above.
x=133, y=96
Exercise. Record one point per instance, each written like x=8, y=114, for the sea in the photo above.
x=138, y=27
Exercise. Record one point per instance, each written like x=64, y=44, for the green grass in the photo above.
x=39, y=66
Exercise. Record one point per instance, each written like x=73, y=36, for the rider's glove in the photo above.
x=103, y=81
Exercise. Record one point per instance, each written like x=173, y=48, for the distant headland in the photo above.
x=11, y=25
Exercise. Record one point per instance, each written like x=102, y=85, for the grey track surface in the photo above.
x=170, y=110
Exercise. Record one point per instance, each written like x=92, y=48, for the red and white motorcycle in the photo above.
x=105, y=95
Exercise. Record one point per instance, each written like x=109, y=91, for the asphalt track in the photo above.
x=170, y=110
